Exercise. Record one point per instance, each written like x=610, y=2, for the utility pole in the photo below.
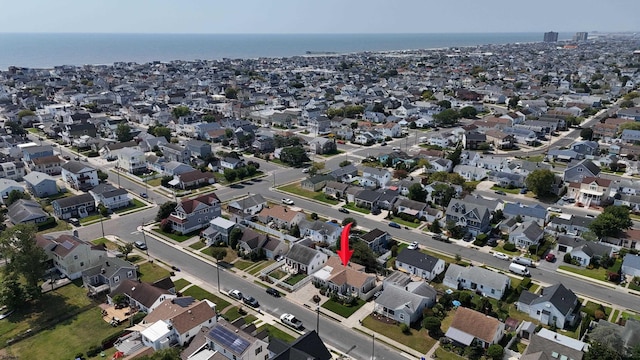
x=144, y=237
x=316, y=299
x=101, y=224
x=373, y=346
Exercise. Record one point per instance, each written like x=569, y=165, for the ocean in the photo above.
x=48, y=50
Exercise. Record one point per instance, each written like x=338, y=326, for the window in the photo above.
x=401, y=316
x=116, y=279
x=129, y=273
x=75, y=257
x=258, y=350
x=81, y=263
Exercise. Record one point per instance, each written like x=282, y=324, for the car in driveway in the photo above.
x=413, y=246
x=287, y=201
x=395, y=225
x=140, y=245
x=550, y=257
x=236, y=294
x=273, y=292
x=251, y=301
x=343, y=210
x=501, y=256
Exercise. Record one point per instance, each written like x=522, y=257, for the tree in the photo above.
x=231, y=93
x=126, y=249
x=16, y=195
x=455, y=155
x=230, y=175
x=123, y=132
x=363, y=255
x=445, y=104
x=180, y=111
x=433, y=326
x=164, y=354
x=468, y=112
x=442, y=194
x=417, y=192
x=351, y=220
x=513, y=102
x=11, y=293
x=316, y=168
x=234, y=237
x=165, y=210
x=632, y=125
x=25, y=112
x=540, y=182
x=102, y=176
x=435, y=228
x=447, y=117
x=162, y=131
x=598, y=351
x=344, y=163
x=242, y=172
x=611, y=221
x=218, y=253
x=400, y=174
x=24, y=257
x=295, y=231
x=495, y=351
x=103, y=210
x=15, y=127
x=586, y=133
x=294, y=155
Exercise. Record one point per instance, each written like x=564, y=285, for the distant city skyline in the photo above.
x=318, y=17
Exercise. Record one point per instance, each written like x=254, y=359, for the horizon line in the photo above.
x=314, y=33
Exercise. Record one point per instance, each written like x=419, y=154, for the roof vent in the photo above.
x=133, y=288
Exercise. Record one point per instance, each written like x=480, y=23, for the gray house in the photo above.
x=485, y=282
x=40, y=184
x=555, y=305
x=219, y=230
x=107, y=275
x=26, y=211
x=631, y=265
x=175, y=152
x=577, y=171
x=194, y=214
x=78, y=206
x=472, y=217
x=403, y=300
x=420, y=264
x=198, y=148
x=376, y=240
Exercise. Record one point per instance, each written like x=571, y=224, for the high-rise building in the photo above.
x=581, y=36
x=550, y=36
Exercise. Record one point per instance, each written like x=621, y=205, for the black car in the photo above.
x=395, y=225
x=251, y=301
x=343, y=210
x=273, y=292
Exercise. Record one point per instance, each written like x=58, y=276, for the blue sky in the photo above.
x=317, y=16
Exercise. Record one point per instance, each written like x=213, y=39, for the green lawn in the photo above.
x=342, y=310
x=403, y=222
x=151, y=272
x=198, y=245
x=500, y=248
x=107, y=243
x=353, y=207
x=628, y=315
x=277, y=274
x=591, y=307
x=92, y=218
x=276, y=333
x=181, y=284
x=256, y=269
x=297, y=190
x=417, y=339
x=232, y=314
x=60, y=226
x=176, y=237
x=614, y=317
x=598, y=274
x=242, y=264
x=507, y=190
x=447, y=355
x=154, y=182
x=535, y=158
x=137, y=204
x=200, y=293
x=231, y=254
x=292, y=280
x=64, y=340
x=443, y=257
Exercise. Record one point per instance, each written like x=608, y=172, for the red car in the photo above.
x=550, y=257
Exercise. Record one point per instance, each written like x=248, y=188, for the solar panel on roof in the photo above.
x=228, y=339
x=67, y=244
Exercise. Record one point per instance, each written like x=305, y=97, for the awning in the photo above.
x=591, y=192
x=459, y=336
x=174, y=182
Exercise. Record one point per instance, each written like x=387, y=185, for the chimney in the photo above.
x=75, y=233
x=106, y=263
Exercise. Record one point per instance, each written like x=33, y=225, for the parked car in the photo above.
x=67, y=157
x=144, y=195
x=287, y=201
x=273, y=292
x=501, y=256
x=554, y=209
x=413, y=246
x=383, y=144
x=140, y=245
x=305, y=170
x=550, y=257
x=396, y=149
x=251, y=301
x=236, y=294
x=500, y=192
x=290, y=320
x=74, y=221
x=343, y=210
x=395, y=225
x=376, y=211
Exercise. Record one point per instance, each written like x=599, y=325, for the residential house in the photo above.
x=176, y=322
x=630, y=136
x=350, y=280
x=499, y=139
x=547, y=344
x=318, y=231
x=586, y=147
x=51, y=165
x=590, y=251
x=563, y=155
x=198, y=148
x=131, y=160
x=344, y=174
x=34, y=152
x=247, y=207
x=175, y=152
x=263, y=144
x=367, y=199
x=471, y=140
x=70, y=255
x=194, y=179
x=387, y=198
x=590, y=190
x=80, y=176
x=218, y=230
x=526, y=234
x=281, y=216
x=391, y=129
x=26, y=212
x=364, y=139
x=577, y=171
x=555, y=305
x=108, y=151
x=380, y=176
x=335, y=189
x=71, y=132
x=251, y=241
x=471, y=173
x=230, y=163
x=172, y=168
x=234, y=344
x=315, y=183
x=303, y=259
x=307, y=346
x=377, y=240
x=569, y=224
x=507, y=179
x=471, y=327
x=631, y=265
x=483, y=281
x=419, y=264
x=140, y=295
x=77, y=206
x=111, y=197
x=6, y=187
x=440, y=165
x=535, y=212
x=107, y=274
x=474, y=218
x=410, y=207
x=40, y=184
x=320, y=145
x=404, y=300
x=274, y=247
x=194, y=214
x=13, y=170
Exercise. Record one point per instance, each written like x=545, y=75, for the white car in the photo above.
x=290, y=320
x=287, y=201
x=501, y=256
x=236, y=294
x=305, y=170
x=413, y=246
x=554, y=209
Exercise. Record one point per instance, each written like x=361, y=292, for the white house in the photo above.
x=381, y=176
x=6, y=187
x=303, y=259
x=79, y=175
x=469, y=326
x=554, y=305
x=419, y=264
x=111, y=197
x=131, y=160
x=486, y=282
x=526, y=234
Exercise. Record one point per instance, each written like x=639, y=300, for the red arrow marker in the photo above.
x=344, y=252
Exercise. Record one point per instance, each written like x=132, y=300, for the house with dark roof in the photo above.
x=79, y=176
x=535, y=213
x=70, y=255
x=40, y=184
x=315, y=183
x=305, y=347
x=175, y=152
x=198, y=148
x=472, y=217
x=195, y=179
x=140, y=295
x=78, y=206
x=320, y=145
x=472, y=140
x=419, y=264
x=482, y=281
x=367, y=199
x=111, y=197
x=590, y=251
x=335, y=189
x=107, y=274
x=194, y=214
x=410, y=207
x=34, y=152
x=319, y=231
x=305, y=260
x=344, y=173
x=554, y=305
x=251, y=241
x=577, y=171
x=404, y=300
x=469, y=326
x=525, y=234
x=568, y=224
x=377, y=240
x=547, y=344
x=235, y=344
x=246, y=207
x=26, y=212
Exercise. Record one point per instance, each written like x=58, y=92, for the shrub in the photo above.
x=526, y=283
x=567, y=258
x=405, y=329
x=509, y=247
x=599, y=314
x=94, y=350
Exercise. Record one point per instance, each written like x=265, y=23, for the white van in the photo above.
x=519, y=269
x=523, y=261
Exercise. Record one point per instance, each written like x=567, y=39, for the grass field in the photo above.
x=342, y=310
x=297, y=190
x=181, y=284
x=274, y=332
x=242, y=264
x=110, y=245
x=507, y=190
x=353, y=207
x=292, y=280
x=198, y=245
x=598, y=274
x=256, y=269
x=200, y=293
x=151, y=272
x=176, y=237
x=418, y=339
x=137, y=204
